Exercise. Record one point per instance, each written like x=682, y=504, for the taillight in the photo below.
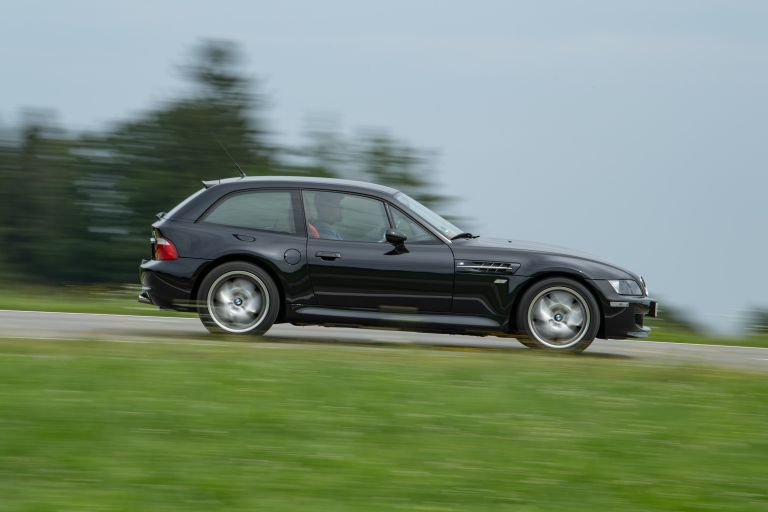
x=165, y=250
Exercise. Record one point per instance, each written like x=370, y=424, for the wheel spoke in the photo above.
x=241, y=316
x=570, y=331
x=542, y=311
x=576, y=317
x=253, y=305
x=563, y=332
x=246, y=287
x=563, y=298
x=224, y=294
x=549, y=330
x=224, y=312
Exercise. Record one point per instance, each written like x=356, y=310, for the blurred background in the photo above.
x=636, y=133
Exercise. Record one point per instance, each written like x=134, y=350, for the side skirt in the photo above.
x=429, y=322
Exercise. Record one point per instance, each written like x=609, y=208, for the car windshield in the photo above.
x=447, y=229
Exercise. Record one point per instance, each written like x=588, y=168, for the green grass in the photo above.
x=287, y=427
x=117, y=300
x=660, y=331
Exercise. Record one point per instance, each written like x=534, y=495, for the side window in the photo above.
x=409, y=228
x=337, y=216
x=264, y=209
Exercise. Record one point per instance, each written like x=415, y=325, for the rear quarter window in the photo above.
x=178, y=210
x=260, y=210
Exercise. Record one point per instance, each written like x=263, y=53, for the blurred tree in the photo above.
x=757, y=321
x=42, y=221
x=8, y=163
x=325, y=152
x=384, y=160
x=171, y=149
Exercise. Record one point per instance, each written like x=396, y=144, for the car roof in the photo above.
x=305, y=182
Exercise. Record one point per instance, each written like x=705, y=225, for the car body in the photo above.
x=320, y=251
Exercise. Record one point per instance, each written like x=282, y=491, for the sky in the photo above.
x=635, y=131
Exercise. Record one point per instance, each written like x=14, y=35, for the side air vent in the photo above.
x=486, y=267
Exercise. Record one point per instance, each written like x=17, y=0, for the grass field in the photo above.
x=78, y=299
x=660, y=331
x=230, y=426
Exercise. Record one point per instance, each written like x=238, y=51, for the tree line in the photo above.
x=76, y=207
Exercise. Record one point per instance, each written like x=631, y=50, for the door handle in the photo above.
x=328, y=256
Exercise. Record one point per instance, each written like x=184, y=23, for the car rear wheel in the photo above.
x=558, y=314
x=238, y=298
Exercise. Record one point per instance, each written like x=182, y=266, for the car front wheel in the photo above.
x=238, y=298
x=558, y=314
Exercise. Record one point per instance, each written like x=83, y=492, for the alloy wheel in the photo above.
x=558, y=317
x=238, y=301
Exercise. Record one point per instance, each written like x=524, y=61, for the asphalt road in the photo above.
x=123, y=328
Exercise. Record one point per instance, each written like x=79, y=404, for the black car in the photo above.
x=250, y=252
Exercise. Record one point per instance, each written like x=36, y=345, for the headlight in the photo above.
x=626, y=287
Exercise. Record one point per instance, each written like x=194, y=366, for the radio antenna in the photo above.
x=242, y=172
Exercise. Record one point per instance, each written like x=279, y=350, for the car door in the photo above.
x=352, y=265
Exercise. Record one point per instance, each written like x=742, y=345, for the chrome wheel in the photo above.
x=238, y=301
x=558, y=317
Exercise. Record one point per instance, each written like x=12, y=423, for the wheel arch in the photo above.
x=563, y=273
x=253, y=259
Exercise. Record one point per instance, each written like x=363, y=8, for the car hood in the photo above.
x=535, y=258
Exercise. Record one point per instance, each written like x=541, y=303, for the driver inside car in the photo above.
x=328, y=209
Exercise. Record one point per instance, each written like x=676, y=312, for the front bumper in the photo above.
x=623, y=315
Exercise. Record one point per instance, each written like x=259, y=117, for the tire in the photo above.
x=558, y=314
x=238, y=298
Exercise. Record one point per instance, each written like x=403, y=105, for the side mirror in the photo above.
x=395, y=237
